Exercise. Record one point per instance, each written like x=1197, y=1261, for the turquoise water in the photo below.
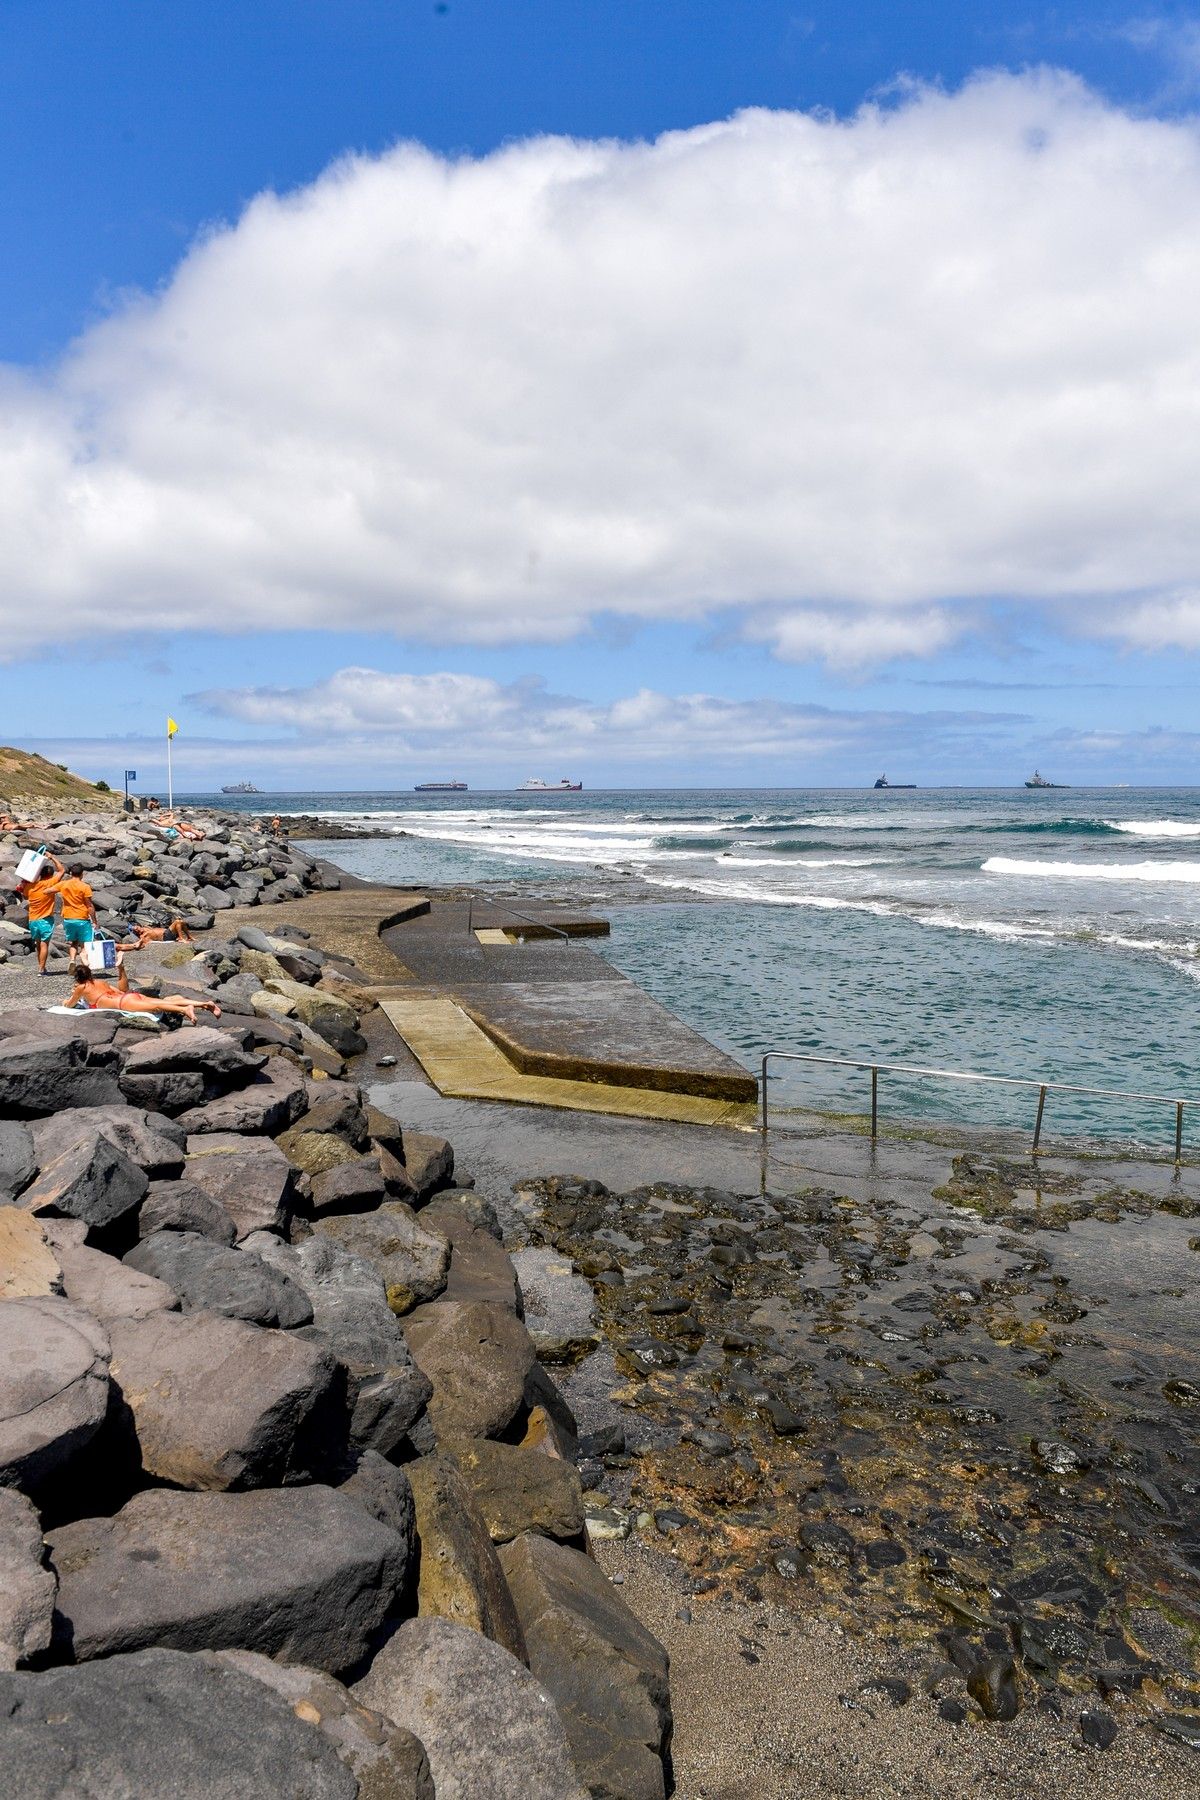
x=1052, y=934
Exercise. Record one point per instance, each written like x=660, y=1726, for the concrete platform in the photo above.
x=558, y=1010
x=463, y=1063
x=541, y=1022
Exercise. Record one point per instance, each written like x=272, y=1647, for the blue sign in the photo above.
x=131, y=774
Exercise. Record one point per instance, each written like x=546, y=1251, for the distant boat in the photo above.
x=241, y=787
x=1038, y=780
x=536, y=786
x=440, y=787
x=883, y=782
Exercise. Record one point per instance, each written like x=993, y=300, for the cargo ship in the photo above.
x=536, y=786
x=241, y=787
x=883, y=782
x=1038, y=780
x=440, y=787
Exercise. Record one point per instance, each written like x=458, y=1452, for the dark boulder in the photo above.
x=489, y=1727
x=91, y=1179
x=216, y=1403
x=459, y=1573
x=478, y=1357
x=250, y=1177
x=299, y=1573
x=40, y=1075
x=158, y=1723
x=388, y=1762
x=216, y=1278
x=182, y=1206
x=53, y=1386
x=606, y=1672
x=18, y=1164
x=154, y=1144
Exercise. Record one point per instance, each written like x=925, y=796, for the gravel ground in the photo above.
x=23, y=987
x=770, y=1706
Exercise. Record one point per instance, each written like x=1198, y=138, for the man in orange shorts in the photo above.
x=97, y=993
x=78, y=912
x=39, y=897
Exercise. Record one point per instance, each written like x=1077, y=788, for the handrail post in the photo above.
x=470, y=912
x=1037, y=1129
x=1178, y=1132
x=874, y=1102
x=764, y=1096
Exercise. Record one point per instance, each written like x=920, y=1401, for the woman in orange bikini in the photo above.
x=97, y=993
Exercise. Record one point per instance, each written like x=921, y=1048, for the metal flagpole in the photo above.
x=172, y=728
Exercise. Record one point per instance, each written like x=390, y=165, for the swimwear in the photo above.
x=42, y=930
x=78, y=931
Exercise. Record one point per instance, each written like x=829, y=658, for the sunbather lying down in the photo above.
x=98, y=993
x=157, y=934
x=168, y=822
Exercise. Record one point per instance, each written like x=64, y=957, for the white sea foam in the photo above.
x=803, y=862
x=1094, y=871
x=1155, y=828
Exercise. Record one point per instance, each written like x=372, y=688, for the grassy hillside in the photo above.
x=26, y=778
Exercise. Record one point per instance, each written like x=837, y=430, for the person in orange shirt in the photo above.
x=78, y=912
x=40, y=896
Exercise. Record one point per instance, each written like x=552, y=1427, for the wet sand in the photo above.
x=769, y=1706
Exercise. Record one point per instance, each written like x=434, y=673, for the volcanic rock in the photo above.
x=250, y=1177
x=477, y=1357
x=519, y=1490
x=40, y=1075
x=53, y=1386
x=606, y=1673
x=90, y=1180
x=27, y=1587
x=108, y=1290
x=385, y=1390
x=388, y=1762
x=299, y=1573
x=182, y=1206
x=216, y=1278
x=161, y=1722
x=412, y=1260
x=459, y=1574
x=489, y=1728
x=219, y=1404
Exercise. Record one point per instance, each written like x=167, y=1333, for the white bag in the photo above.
x=99, y=955
x=31, y=864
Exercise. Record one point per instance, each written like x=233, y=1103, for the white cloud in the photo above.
x=481, y=723
x=842, y=381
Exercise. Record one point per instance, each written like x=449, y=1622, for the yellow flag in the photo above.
x=172, y=728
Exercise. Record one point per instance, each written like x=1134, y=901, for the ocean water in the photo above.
x=1050, y=934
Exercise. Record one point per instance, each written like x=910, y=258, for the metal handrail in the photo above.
x=502, y=906
x=1043, y=1088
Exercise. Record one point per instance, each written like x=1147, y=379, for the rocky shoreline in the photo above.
x=288, y=1503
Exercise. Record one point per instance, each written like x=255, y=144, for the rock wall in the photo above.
x=279, y=1513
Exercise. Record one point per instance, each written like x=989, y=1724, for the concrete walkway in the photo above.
x=541, y=1022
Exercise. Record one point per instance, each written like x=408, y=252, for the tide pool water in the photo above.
x=1044, y=933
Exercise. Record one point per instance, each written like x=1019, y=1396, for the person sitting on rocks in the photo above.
x=96, y=992
x=78, y=912
x=157, y=934
x=39, y=897
x=8, y=823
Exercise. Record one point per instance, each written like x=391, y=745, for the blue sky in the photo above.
x=829, y=441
